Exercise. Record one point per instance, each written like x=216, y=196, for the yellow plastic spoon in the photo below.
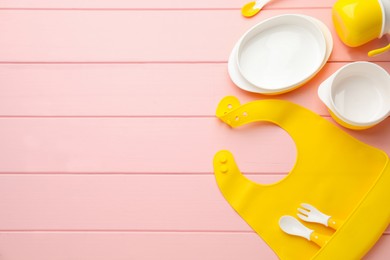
x=252, y=8
x=378, y=51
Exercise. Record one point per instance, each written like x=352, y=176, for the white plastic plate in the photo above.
x=280, y=54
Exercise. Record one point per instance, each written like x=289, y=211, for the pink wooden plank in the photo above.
x=159, y=145
x=156, y=4
x=116, y=202
x=172, y=145
x=129, y=89
x=141, y=246
x=107, y=202
x=380, y=251
x=139, y=36
x=113, y=89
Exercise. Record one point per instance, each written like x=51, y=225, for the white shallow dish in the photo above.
x=357, y=95
x=272, y=71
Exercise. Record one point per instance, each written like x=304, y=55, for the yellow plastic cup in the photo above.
x=358, y=22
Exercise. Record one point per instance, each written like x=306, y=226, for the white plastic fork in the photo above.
x=309, y=213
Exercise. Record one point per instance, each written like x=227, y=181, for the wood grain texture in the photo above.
x=125, y=246
x=107, y=128
x=157, y=4
x=133, y=89
x=106, y=202
x=117, y=36
x=116, y=202
x=148, y=145
x=134, y=245
x=137, y=145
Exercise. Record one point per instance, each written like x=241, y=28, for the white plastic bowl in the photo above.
x=358, y=94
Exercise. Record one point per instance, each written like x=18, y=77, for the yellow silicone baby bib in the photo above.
x=344, y=177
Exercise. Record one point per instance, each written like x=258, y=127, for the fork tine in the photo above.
x=307, y=206
x=303, y=211
x=303, y=217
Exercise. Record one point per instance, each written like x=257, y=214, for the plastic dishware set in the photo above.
x=337, y=182
x=284, y=52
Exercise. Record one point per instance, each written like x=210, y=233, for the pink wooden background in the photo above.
x=107, y=128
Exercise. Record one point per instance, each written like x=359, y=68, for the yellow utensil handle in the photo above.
x=378, y=51
x=334, y=223
x=319, y=239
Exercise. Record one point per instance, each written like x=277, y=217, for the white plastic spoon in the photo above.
x=292, y=226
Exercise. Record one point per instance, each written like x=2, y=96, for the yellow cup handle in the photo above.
x=379, y=51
